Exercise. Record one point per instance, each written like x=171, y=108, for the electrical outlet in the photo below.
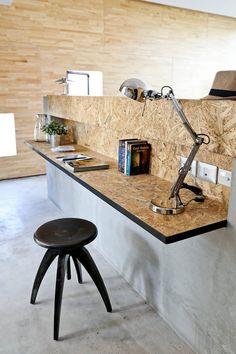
x=207, y=172
x=224, y=177
x=193, y=171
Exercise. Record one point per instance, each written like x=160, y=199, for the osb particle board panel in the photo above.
x=159, y=121
x=99, y=122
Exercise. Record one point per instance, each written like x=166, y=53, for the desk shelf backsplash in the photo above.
x=99, y=122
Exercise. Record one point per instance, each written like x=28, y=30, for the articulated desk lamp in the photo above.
x=136, y=89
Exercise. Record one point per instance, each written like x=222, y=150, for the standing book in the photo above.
x=127, y=154
x=138, y=158
x=121, y=153
x=86, y=165
x=127, y=142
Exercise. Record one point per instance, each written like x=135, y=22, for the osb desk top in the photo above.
x=131, y=196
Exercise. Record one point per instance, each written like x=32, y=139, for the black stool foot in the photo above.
x=78, y=269
x=48, y=258
x=61, y=270
x=84, y=257
x=68, y=273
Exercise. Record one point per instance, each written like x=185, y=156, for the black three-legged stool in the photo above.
x=66, y=238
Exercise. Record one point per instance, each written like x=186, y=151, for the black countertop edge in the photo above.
x=196, y=232
x=151, y=230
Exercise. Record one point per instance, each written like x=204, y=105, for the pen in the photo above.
x=71, y=158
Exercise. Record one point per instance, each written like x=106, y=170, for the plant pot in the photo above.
x=55, y=140
x=48, y=138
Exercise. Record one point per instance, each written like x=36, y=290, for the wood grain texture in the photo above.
x=137, y=191
x=99, y=122
x=159, y=121
x=41, y=39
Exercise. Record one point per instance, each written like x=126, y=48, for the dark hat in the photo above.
x=223, y=87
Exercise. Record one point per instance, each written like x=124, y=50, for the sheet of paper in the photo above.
x=73, y=157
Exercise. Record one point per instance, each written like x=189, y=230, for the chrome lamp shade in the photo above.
x=135, y=89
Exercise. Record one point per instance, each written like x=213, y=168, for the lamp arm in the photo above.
x=198, y=140
x=183, y=117
x=184, y=171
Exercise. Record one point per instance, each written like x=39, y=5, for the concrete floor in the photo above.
x=86, y=327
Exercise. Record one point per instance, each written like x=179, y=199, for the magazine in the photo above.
x=86, y=165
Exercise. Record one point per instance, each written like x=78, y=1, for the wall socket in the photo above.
x=224, y=177
x=207, y=172
x=193, y=171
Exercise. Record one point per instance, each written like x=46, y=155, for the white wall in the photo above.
x=7, y=135
x=219, y=7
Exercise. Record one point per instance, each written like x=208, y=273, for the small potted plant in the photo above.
x=54, y=129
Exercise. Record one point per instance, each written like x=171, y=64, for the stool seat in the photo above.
x=65, y=233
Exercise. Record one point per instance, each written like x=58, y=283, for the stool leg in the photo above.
x=61, y=270
x=84, y=257
x=68, y=269
x=48, y=258
x=78, y=269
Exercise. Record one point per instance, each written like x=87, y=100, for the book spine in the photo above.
x=121, y=146
x=125, y=156
x=128, y=160
x=127, y=142
x=122, y=156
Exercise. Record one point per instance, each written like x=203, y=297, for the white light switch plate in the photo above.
x=193, y=170
x=207, y=172
x=224, y=177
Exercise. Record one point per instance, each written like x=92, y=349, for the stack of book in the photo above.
x=81, y=162
x=86, y=165
x=133, y=156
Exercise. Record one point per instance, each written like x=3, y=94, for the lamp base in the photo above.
x=168, y=207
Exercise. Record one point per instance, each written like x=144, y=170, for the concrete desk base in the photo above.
x=186, y=282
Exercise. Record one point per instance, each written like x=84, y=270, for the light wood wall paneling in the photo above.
x=40, y=40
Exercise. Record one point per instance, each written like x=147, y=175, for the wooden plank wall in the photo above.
x=41, y=39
